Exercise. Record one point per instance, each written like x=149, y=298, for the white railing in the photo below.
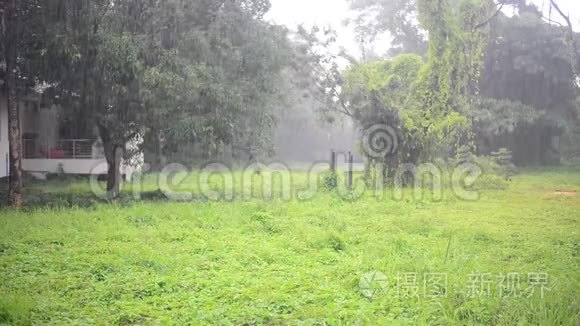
x=61, y=149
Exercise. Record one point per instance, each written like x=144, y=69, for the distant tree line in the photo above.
x=461, y=76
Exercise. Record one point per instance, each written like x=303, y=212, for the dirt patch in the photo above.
x=565, y=193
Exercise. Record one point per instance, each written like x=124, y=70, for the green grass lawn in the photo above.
x=298, y=262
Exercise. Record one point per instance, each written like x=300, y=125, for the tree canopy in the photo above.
x=489, y=80
x=205, y=72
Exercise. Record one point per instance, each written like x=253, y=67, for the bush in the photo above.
x=336, y=243
x=571, y=161
x=503, y=160
x=487, y=165
x=499, y=164
x=491, y=182
x=463, y=155
x=330, y=180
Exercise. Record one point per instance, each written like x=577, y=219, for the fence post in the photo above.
x=350, y=169
x=74, y=149
x=332, y=161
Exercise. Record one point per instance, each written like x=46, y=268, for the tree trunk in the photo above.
x=114, y=178
x=155, y=151
x=15, y=183
x=114, y=156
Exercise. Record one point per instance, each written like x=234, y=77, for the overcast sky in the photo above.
x=335, y=12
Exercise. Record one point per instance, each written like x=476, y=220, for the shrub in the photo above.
x=503, y=160
x=336, y=243
x=330, y=180
x=499, y=164
x=464, y=155
x=491, y=182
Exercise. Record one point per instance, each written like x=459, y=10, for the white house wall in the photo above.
x=70, y=166
x=98, y=166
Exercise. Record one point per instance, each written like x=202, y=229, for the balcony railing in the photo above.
x=63, y=149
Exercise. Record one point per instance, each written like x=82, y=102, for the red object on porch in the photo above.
x=53, y=153
x=56, y=153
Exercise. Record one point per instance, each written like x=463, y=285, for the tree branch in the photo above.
x=566, y=17
x=572, y=40
x=490, y=18
x=549, y=20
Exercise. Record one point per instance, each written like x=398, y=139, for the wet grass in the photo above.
x=297, y=262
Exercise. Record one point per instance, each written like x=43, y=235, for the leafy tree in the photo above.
x=397, y=17
x=450, y=82
x=206, y=72
x=526, y=92
x=529, y=73
x=57, y=46
x=428, y=104
x=437, y=96
x=21, y=34
x=219, y=82
x=379, y=93
x=317, y=64
x=10, y=35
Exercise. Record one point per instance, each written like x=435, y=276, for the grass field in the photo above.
x=322, y=261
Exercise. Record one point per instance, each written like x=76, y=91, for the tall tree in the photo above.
x=171, y=72
x=10, y=40
x=571, y=39
x=396, y=17
x=218, y=83
x=100, y=48
x=528, y=61
x=426, y=105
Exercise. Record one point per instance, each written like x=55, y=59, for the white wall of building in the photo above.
x=98, y=166
x=3, y=138
x=70, y=166
x=42, y=166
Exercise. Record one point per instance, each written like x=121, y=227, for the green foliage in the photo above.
x=496, y=170
x=464, y=155
x=392, y=79
x=492, y=80
x=450, y=80
x=316, y=70
x=15, y=309
x=379, y=93
x=491, y=182
x=528, y=68
x=498, y=117
x=498, y=164
x=428, y=104
x=503, y=158
x=397, y=17
x=207, y=73
x=336, y=243
x=220, y=84
x=330, y=180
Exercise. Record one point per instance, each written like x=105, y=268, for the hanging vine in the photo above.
x=448, y=85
